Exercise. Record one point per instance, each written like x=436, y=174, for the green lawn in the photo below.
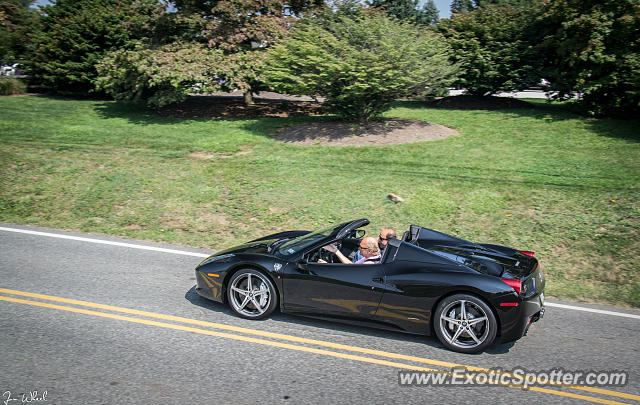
x=539, y=179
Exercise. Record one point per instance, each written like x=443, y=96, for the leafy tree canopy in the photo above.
x=201, y=7
x=18, y=23
x=493, y=45
x=593, y=48
x=248, y=24
x=458, y=6
x=359, y=63
x=76, y=34
x=430, y=13
x=158, y=76
x=232, y=41
x=243, y=29
x=409, y=10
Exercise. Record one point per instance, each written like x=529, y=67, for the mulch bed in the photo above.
x=232, y=106
x=331, y=132
x=341, y=133
x=325, y=132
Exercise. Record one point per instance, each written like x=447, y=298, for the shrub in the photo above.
x=158, y=76
x=10, y=86
x=360, y=62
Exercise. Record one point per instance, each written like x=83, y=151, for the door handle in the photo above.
x=377, y=279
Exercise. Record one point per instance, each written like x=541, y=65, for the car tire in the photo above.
x=251, y=294
x=465, y=323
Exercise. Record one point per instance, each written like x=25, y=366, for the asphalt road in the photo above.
x=186, y=350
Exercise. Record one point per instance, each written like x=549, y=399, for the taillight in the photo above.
x=513, y=283
x=527, y=252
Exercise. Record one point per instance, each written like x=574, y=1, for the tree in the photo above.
x=244, y=29
x=18, y=23
x=591, y=48
x=227, y=47
x=250, y=24
x=494, y=47
x=360, y=64
x=515, y=3
x=200, y=7
x=76, y=34
x=408, y=10
x=159, y=75
x=458, y=6
x=430, y=13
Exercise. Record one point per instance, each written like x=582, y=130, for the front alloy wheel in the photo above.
x=251, y=294
x=464, y=323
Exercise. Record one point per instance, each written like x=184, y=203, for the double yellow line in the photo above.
x=279, y=338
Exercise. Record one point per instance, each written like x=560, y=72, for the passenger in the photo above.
x=383, y=239
x=368, y=248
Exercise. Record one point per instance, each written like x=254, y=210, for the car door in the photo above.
x=330, y=289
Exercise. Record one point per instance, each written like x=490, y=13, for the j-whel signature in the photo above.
x=27, y=397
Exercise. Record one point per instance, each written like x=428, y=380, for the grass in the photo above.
x=540, y=179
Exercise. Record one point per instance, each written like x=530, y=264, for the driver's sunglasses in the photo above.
x=363, y=247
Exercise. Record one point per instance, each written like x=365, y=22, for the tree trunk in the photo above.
x=248, y=98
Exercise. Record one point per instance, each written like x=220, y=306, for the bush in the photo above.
x=10, y=86
x=158, y=76
x=359, y=62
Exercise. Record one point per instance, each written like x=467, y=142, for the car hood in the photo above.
x=255, y=247
x=260, y=247
x=282, y=235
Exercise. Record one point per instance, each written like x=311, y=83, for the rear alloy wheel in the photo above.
x=465, y=323
x=251, y=294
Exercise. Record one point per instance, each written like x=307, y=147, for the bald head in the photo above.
x=385, y=235
x=369, y=247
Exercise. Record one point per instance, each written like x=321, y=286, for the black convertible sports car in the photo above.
x=467, y=293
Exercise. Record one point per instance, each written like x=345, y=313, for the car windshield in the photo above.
x=301, y=242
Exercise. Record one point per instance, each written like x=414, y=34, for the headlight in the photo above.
x=220, y=258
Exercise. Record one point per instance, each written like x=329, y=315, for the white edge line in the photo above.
x=182, y=252
x=597, y=311
x=105, y=242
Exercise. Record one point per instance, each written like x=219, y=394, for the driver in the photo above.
x=368, y=248
x=383, y=239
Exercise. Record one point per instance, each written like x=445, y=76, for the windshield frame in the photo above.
x=301, y=243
